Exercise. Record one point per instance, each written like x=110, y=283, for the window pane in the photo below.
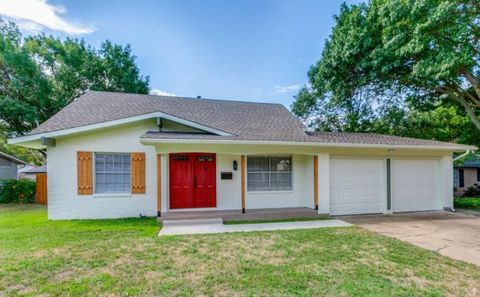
x=99, y=162
x=280, y=164
x=100, y=188
x=100, y=178
x=281, y=181
x=126, y=163
x=108, y=163
x=126, y=178
x=112, y=173
x=117, y=165
x=258, y=181
x=257, y=164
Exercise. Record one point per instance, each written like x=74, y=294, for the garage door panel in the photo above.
x=414, y=185
x=357, y=186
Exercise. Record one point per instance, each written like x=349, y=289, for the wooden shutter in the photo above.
x=84, y=173
x=138, y=173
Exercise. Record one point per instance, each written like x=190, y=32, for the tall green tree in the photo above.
x=39, y=75
x=421, y=54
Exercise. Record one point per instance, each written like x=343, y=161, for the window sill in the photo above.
x=113, y=195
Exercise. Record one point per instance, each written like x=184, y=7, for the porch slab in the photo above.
x=237, y=215
x=221, y=228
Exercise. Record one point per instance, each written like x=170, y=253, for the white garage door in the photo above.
x=357, y=186
x=414, y=185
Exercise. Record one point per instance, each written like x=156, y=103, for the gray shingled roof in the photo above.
x=246, y=120
x=317, y=137
x=372, y=138
x=243, y=120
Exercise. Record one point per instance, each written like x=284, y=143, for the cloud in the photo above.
x=35, y=15
x=160, y=93
x=287, y=89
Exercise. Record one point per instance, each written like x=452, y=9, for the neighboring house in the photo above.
x=465, y=176
x=23, y=171
x=9, y=166
x=116, y=155
x=31, y=173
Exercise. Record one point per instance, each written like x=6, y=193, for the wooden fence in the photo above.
x=41, y=191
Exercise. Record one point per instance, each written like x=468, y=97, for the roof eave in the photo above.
x=33, y=140
x=13, y=159
x=456, y=148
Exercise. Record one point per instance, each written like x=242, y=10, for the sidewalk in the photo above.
x=221, y=228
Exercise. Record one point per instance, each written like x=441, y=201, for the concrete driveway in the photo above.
x=455, y=235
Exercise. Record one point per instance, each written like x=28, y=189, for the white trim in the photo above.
x=85, y=128
x=456, y=148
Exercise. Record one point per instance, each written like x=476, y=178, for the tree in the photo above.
x=420, y=53
x=25, y=154
x=353, y=115
x=39, y=75
x=444, y=123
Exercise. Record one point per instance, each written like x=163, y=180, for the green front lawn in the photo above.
x=126, y=258
x=467, y=203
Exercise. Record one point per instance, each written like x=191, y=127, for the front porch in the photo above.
x=209, y=182
x=237, y=215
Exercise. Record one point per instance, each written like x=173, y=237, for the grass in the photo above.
x=126, y=258
x=467, y=203
x=300, y=219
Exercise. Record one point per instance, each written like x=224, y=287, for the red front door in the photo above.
x=192, y=180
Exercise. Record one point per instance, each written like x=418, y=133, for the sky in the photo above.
x=251, y=50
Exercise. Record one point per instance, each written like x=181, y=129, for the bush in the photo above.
x=469, y=203
x=17, y=191
x=473, y=191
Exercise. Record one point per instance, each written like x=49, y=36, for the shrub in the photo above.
x=473, y=191
x=469, y=203
x=17, y=191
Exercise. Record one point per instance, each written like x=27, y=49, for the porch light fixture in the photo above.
x=391, y=152
x=235, y=165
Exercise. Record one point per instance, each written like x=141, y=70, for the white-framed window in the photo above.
x=269, y=173
x=112, y=173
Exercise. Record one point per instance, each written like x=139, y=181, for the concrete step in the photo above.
x=207, y=221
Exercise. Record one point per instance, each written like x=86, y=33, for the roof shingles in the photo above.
x=243, y=120
x=246, y=120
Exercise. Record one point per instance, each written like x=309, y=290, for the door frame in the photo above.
x=168, y=200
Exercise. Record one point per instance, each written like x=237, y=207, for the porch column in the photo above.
x=323, y=182
x=242, y=171
x=315, y=182
x=159, y=185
